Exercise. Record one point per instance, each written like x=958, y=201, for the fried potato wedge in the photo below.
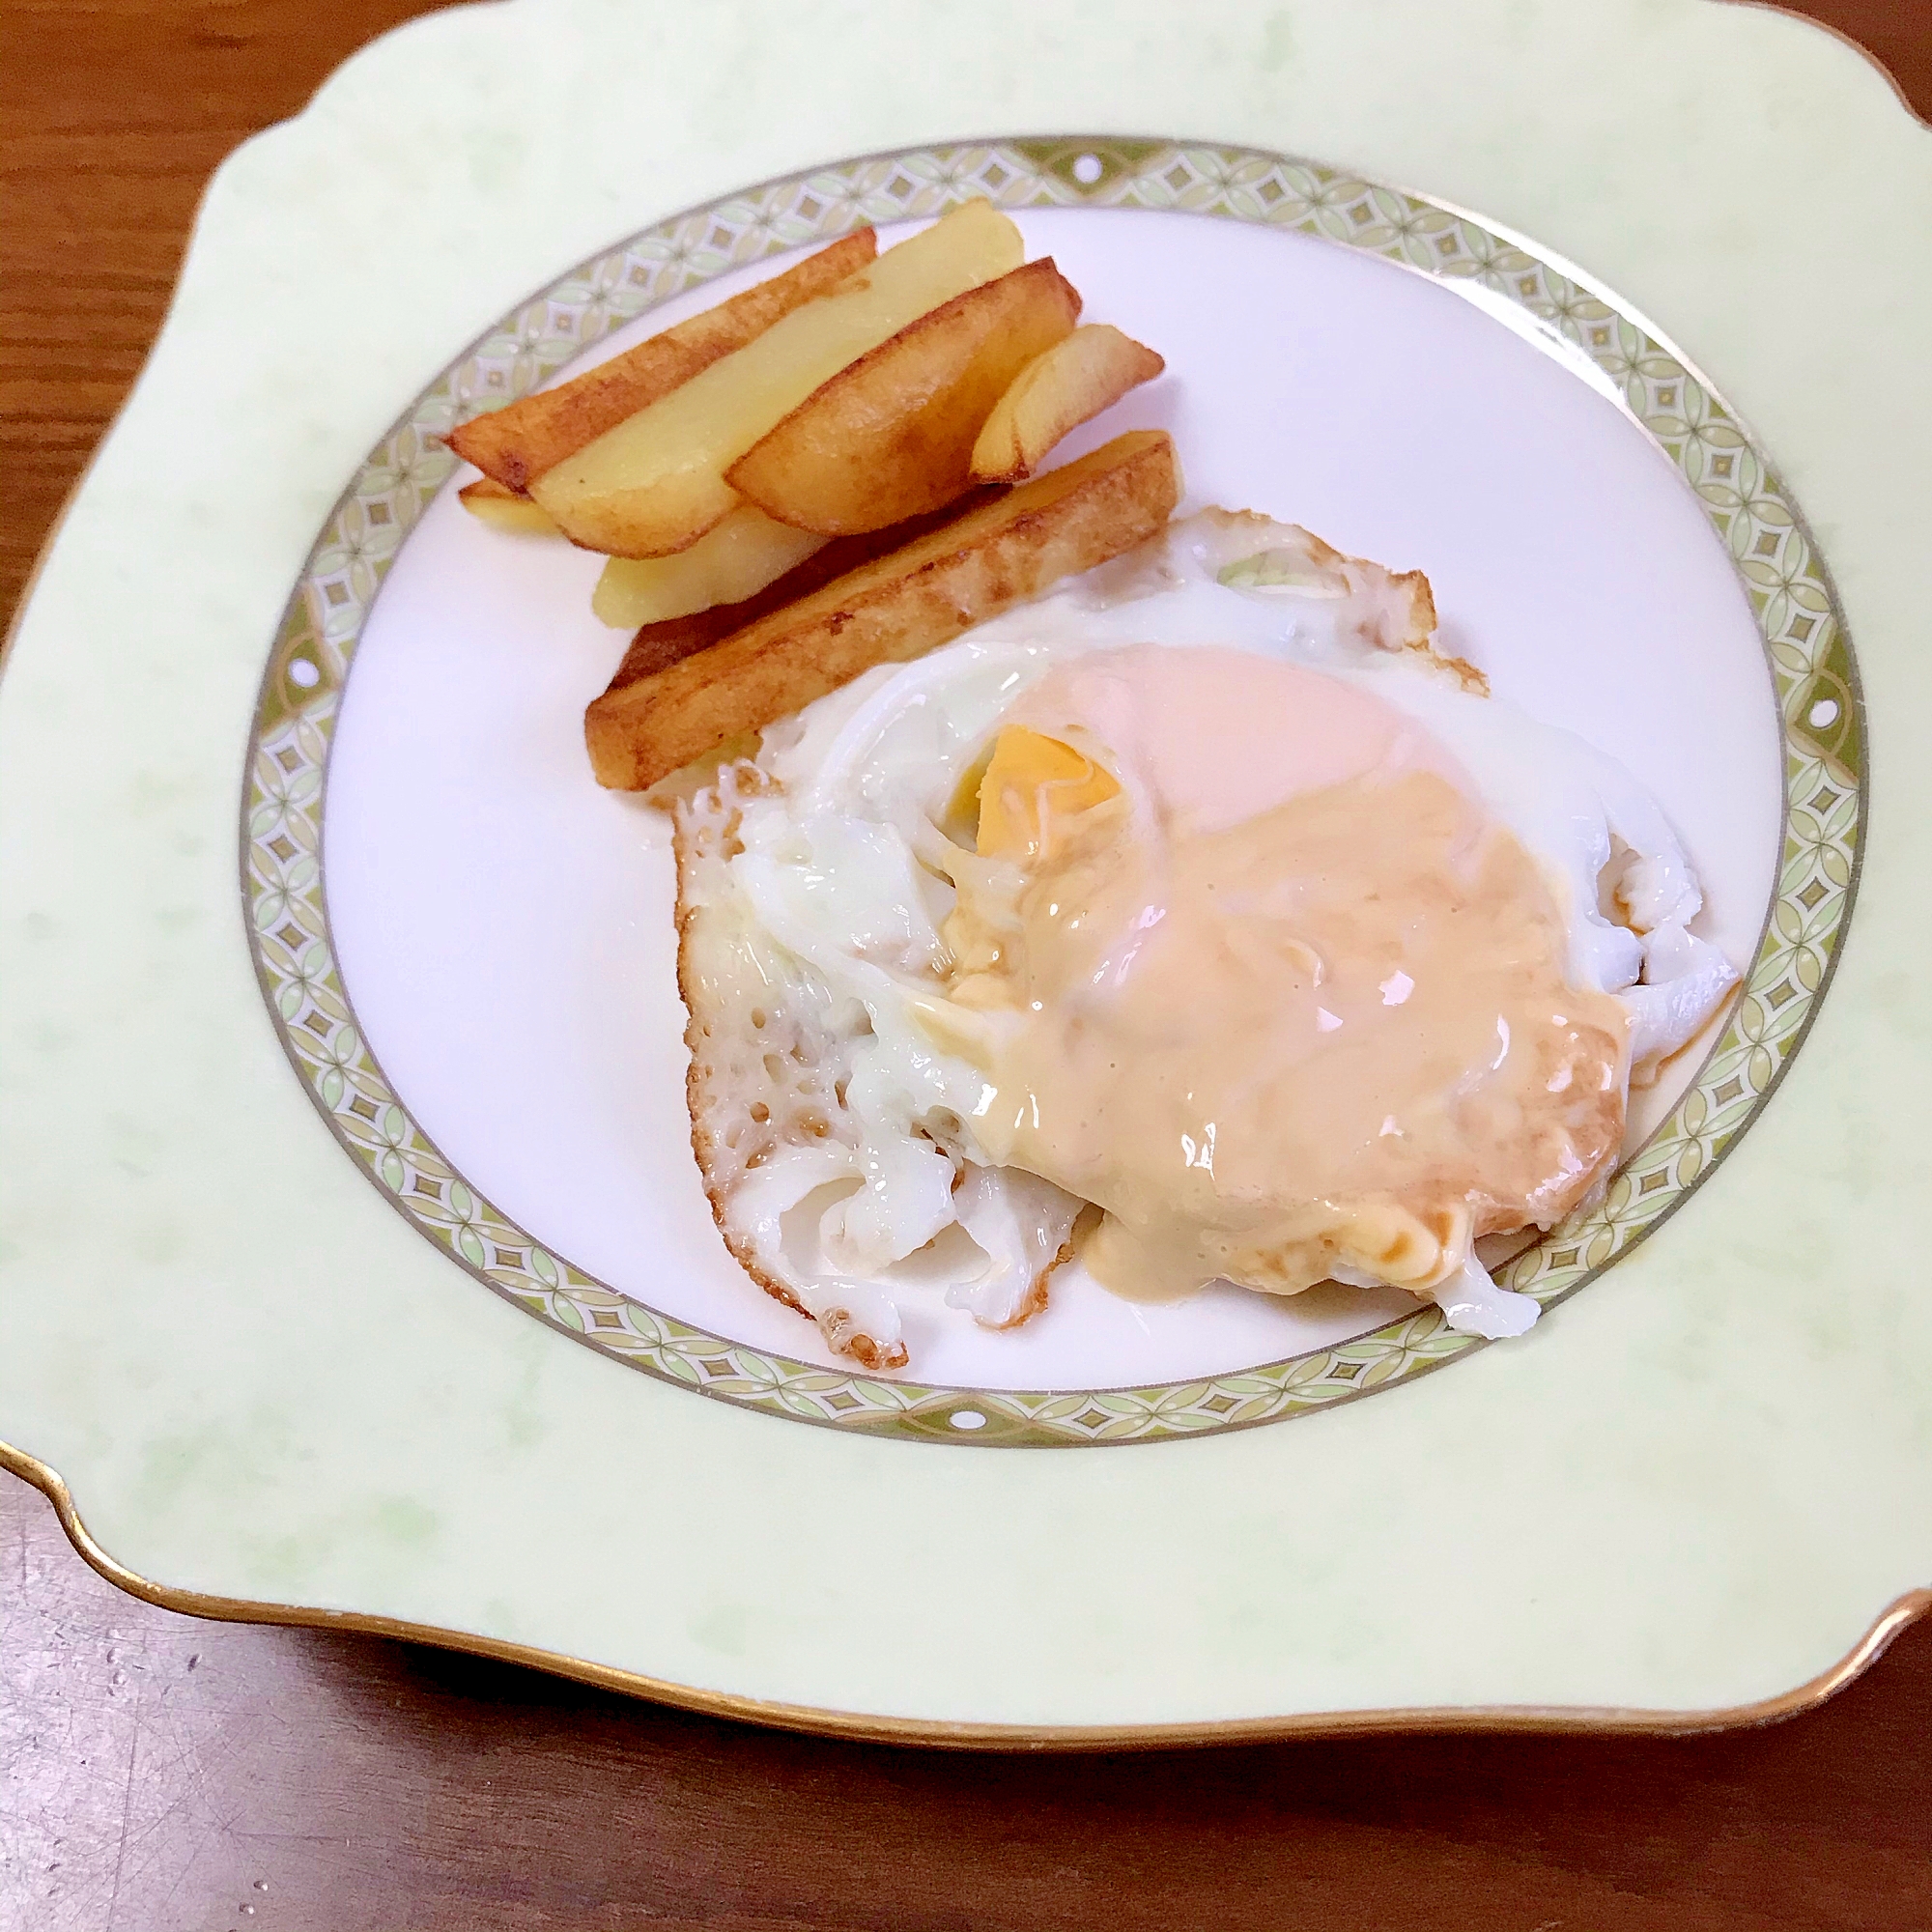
x=728, y=563
x=892, y=435
x=968, y=569
x=518, y=443
x=660, y=646
x=656, y=483
x=1072, y=381
x=503, y=509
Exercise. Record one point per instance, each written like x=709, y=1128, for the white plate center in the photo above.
x=503, y=926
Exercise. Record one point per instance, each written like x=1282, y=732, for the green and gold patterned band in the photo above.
x=1807, y=652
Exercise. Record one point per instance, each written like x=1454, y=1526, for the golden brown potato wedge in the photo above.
x=925, y=593
x=518, y=443
x=892, y=435
x=503, y=509
x=1072, y=381
x=658, y=647
x=656, y=483
x=725, y=565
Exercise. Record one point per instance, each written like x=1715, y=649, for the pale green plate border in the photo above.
x=1807, y=651
x=1664, y=1510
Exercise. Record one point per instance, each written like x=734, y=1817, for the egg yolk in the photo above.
x=1293, y=1004
x=1031, y=783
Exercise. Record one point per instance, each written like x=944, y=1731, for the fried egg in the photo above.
x=1201, y=916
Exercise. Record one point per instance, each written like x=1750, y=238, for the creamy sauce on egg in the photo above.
x=1244, y=960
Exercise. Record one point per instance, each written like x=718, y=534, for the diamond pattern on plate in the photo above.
x=1807, y=650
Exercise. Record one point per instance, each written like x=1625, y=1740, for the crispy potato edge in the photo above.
x=658, y=647
x=518, y=443
x=490, y=503
x=919, y=596
x=890, y=435
x=1070, y=384
x=654, y=483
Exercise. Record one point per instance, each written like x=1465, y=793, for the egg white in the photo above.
x=840, y=873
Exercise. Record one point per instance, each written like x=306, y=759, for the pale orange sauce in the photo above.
x=1292, y=1001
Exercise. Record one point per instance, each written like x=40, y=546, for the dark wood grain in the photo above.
x=162, y=1774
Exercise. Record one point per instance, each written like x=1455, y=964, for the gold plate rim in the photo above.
x=866, y=1727
x=1903, y=1610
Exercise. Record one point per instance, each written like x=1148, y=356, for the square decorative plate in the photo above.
x=355, y=1270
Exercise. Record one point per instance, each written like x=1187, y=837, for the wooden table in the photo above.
x=162, y=1774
